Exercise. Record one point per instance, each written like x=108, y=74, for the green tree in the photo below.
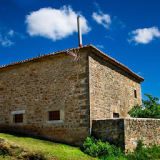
x=149, y=108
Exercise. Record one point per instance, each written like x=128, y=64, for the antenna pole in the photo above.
x=79, y=32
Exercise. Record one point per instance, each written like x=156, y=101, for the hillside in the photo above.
x=19, y=147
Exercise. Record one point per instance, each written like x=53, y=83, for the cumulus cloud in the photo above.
x=103, y=19
x=144, y=35
x=100, y=17
x=55, y=24
x=106, y=20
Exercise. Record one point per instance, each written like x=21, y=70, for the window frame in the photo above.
x=135, y=93
x=18, y=113
x=62, y=115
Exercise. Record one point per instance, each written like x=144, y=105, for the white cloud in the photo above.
x=4, y=41
x=8, y=36
x=100, y=46
x=144, y=35
x=11, y=33
x=106, y=20
x=55, y=23
x=7, y=43
x=103, y=19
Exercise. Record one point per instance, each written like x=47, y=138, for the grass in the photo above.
x=50, y=149
x=56, y=151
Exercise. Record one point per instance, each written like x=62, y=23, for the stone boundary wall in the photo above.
x=111, y=130
x=126, y=132
x=146, y=129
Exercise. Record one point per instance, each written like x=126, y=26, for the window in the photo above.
x=115, y=115
x=135, y=93
x=54, y=115
x=18, y=118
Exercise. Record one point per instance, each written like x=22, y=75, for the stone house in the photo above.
x=57, y=97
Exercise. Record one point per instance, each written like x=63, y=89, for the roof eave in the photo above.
x=118, y=64
x=101, y=54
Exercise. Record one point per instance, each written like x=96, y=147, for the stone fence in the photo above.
x=125, y=132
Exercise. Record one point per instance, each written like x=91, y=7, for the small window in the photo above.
x=54, y=115
x=18, y=118
x=115, y=115
x=135, y=93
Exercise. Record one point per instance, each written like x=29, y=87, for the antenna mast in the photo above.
x=79, y=32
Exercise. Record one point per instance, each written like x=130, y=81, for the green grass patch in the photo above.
x=50, y=149
x=13, y=147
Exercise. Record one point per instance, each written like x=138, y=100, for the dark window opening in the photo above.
x=115, y=115
x=135, y=93
x=54, y=115
x=18, y=118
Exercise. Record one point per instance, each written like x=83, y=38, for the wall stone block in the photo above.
x=126, y=132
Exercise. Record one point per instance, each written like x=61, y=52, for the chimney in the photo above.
x=79, y=32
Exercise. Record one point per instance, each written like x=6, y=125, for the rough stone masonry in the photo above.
x=126, y=132
x=52, y=96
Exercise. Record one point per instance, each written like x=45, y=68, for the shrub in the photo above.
x=145, y=153
x=149, y=108
x=140, y=146
x=103, y=150
x=97, y=148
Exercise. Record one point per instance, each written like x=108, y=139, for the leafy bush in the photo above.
x=149, y=108
x=97, y=148
x=142, y=153
x=103, y=150
x=140, y=146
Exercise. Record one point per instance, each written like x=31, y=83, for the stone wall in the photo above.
x=111, y=130
x=141, y=128
x=52, y=83
x=111, y=89
x=126, y=132
x=85, y=90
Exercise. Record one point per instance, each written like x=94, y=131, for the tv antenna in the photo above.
x=74, y=53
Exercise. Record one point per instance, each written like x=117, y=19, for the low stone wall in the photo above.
x=127, y=131
x=141, y=128
x=111, y=130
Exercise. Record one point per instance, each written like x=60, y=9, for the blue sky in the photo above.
x=128, y=31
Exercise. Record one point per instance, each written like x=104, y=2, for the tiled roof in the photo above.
x=100, y=53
